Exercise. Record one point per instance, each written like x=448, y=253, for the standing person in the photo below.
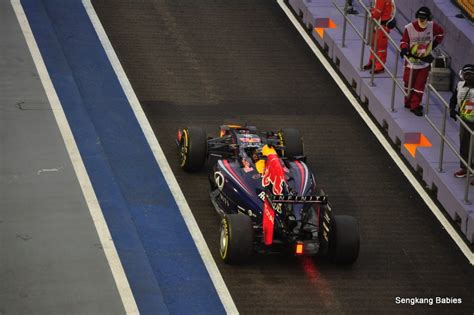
x=462, y=104
x=418, y=40
x=350, y=8
x=384, y=12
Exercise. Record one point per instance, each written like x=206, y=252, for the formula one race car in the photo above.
x=262, y=188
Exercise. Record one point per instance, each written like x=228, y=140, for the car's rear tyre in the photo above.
x=192, y=149
x=236, y=238
x=293, y=142
x=344, y=240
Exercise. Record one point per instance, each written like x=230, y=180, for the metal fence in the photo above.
x=371, y=26
x=444, y=140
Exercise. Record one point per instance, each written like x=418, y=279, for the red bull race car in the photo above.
x=266, y=195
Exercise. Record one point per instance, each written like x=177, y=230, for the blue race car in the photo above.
x=266, y=195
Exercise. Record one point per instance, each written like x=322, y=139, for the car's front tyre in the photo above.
x=291, y=139
x=192, y=146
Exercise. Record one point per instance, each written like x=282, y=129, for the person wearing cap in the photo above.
x=462, y=105
x=384, y=12
x=418, y=40
x=350, y=8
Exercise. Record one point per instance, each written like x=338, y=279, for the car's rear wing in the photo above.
x=299, y=199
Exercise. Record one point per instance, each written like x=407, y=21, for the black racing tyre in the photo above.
x=192, y=149
x=344, y=240
x=236, y=238
x=293, y=142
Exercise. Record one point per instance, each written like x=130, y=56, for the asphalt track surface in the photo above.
x=204, y=63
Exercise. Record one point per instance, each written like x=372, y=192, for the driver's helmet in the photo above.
x=256, y=154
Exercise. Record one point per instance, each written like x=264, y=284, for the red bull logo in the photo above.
x=274, y=172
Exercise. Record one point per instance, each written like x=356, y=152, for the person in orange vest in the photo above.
x=384, y=12
x=419, y=38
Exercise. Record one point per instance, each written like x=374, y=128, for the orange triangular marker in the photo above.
x=320, y=31
x=414, y=140
x=424, y=142
x=411, y=148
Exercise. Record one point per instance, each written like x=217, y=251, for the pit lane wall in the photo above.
x=417, y=140
x=164, y=268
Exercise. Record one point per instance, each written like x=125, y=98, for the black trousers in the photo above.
x=464, y=141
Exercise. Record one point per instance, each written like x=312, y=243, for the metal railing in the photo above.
x=371, y=27
x=444, y=140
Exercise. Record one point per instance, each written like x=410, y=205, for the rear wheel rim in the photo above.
x=183, y=153
x=224, y=242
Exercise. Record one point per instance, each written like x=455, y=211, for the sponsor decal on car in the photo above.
x=219, y=180
x=268, y=222
x=274, y=173
x=247, y=168
x=250, y=140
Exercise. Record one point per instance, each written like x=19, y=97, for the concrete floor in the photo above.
x=51, y=260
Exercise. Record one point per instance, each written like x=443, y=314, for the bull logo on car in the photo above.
x=274, y=173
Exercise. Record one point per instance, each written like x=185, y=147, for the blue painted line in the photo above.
x=160, y=259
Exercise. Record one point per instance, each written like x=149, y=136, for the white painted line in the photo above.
x=436, y=211
x=48, y=170
x=189, y=219
x=76, y=159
